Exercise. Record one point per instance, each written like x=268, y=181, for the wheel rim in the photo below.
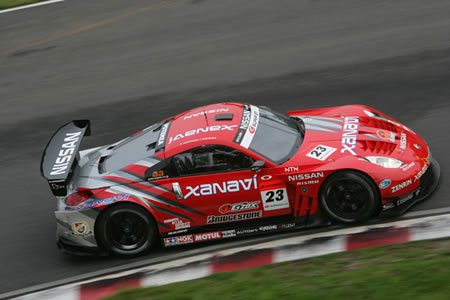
x=127, y=230
x=347, y=198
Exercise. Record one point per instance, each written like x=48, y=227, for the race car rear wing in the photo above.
x=61, y=155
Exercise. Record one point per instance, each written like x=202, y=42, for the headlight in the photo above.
x=386, y=162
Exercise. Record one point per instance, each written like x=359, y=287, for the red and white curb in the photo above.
x=253, y=256
x=29, y=6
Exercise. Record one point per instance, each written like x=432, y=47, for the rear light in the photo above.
x=82, y=195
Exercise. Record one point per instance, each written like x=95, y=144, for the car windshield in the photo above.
x=277, y=137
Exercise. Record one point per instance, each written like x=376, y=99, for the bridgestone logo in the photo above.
x=235, y=217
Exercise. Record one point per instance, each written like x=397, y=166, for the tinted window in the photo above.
x=210, y=159
x=277, y=136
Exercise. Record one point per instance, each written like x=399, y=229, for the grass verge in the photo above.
x=4, y=4
x=417, y=270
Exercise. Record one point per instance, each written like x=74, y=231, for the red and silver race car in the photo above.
x=228, y=170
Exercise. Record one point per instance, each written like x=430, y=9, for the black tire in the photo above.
x=349, y=197
x=125, y=229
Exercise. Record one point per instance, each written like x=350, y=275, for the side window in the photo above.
x=162, y=169
x=210, y=159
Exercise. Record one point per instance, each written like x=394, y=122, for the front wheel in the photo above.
x=125, y=230
x=349, y=197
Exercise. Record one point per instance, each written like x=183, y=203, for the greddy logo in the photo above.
x=235, y=217
x=350, y=134
x=198, y=130
x=226, y=208
x=231, y=186
x=65, y=154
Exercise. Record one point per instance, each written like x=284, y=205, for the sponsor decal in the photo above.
x=386, y=135
x=266, y=177
x=228, y=233
x=105, y=201
x=321, y=152
x=286, y=226
x=275, y=198
x=248, y=126
x=163, y=134
x=178, y=224
x=227, y=208
x=402, y=185
x=65, y=154
x=207, y=236
x=350, y=134
x=385, y=184
x=403, y=141
x=179, y=240
x=388, y=205
x=247, y=231
x=308, y=182
x=80, y=228
x=268, y=228
x=177, y=232
x=408, y=166
x=421, y=172
x=401, y=201
x=235, y=217
x=202, y=113
x=290, y=169
x=198, y=130
x=231, y=186
x=305, y=176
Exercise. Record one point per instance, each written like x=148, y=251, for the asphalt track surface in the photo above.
x=127, y=64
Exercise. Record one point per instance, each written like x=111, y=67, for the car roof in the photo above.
x=205, y=125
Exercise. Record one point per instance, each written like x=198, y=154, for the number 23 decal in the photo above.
x=271, y=195
x=275, y=199
x=321, y=152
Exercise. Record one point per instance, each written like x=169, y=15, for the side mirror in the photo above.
x=257, y=165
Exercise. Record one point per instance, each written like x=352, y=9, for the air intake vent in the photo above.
x=377, y=147
x=223, y=117
x=377, y=123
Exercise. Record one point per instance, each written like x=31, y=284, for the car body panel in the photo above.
x=216, y=205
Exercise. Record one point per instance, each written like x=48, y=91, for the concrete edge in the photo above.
x=259, y=254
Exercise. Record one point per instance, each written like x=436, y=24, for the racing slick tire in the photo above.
x=349, y=197
x=125, y=230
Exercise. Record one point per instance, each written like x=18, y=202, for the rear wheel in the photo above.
x=349, y=197
x=126, y=230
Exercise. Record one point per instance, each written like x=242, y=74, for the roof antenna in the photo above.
x=206, y=118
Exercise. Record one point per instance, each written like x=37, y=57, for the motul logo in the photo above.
x=65, y=154
x=207, y=236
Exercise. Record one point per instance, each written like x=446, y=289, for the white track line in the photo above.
x=29, y=6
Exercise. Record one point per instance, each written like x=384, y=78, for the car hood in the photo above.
x=357, y=133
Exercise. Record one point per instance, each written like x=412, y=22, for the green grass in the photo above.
x=418, y=270
x=4, y=4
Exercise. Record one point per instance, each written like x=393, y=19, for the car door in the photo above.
x=219, y=182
